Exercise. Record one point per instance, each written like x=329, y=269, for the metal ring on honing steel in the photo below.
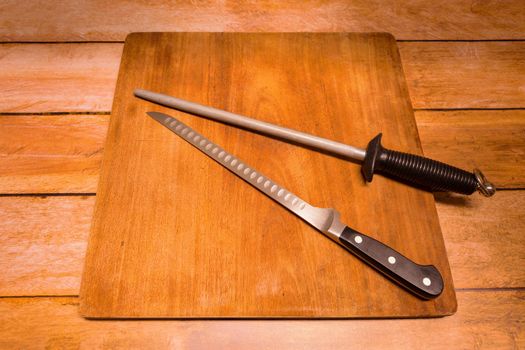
x=485, y=187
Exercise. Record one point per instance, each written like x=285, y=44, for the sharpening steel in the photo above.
x=412, y=169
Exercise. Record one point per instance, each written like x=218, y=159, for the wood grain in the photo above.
x=45, y=238
x=484, y=319
x=99, y=20
x=484, y=239
x=493, y=319
x=42, y=244
x=58, y=78
x=474, y=75
x=51, y=154
x=62, y=154
x=167, y=240
x=493, y=141
x=81, y=77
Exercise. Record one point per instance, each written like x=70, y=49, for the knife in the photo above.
x=409, y=168
x=424, y=281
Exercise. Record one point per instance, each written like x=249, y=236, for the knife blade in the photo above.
x=424, y=281
x=412, y=169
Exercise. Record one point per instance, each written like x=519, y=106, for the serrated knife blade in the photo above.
x=423, y=280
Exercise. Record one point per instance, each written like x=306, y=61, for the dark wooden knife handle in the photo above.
x=424, y=281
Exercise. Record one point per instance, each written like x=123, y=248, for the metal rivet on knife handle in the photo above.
x=412, y=169
x=413, y=277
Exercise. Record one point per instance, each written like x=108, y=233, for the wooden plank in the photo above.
x=484, y=320
x=58, y=78
x=45, y=239
x=484, y=239
x=42, y=244
x=81, y=77
x=493, y=141
x=51, y=154
x=465, y=74
x=68, y=161
x=61, y=20
x=152, y=256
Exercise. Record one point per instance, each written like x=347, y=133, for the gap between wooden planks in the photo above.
x=43, y=241
x=62, y=153
x=464, y=20
x=99, y=20
x=81, y=77
x=485, y=319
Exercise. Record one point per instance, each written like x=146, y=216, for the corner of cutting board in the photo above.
x=83, y=309
x=133, y=36
x=388, y=36
x=87, y=312
x=453, y=308
x=383, y=37
x=448, y=308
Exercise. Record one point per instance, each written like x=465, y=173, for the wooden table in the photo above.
x=465, y=66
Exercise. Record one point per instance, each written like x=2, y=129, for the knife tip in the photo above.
x=160, y=117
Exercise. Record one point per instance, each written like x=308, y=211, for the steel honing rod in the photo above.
x=413, y=169
x=254, y=124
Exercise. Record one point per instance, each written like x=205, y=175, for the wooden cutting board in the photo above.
x=176, y=235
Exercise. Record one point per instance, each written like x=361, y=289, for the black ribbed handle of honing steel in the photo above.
x=425, y=281
x=423, y=172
